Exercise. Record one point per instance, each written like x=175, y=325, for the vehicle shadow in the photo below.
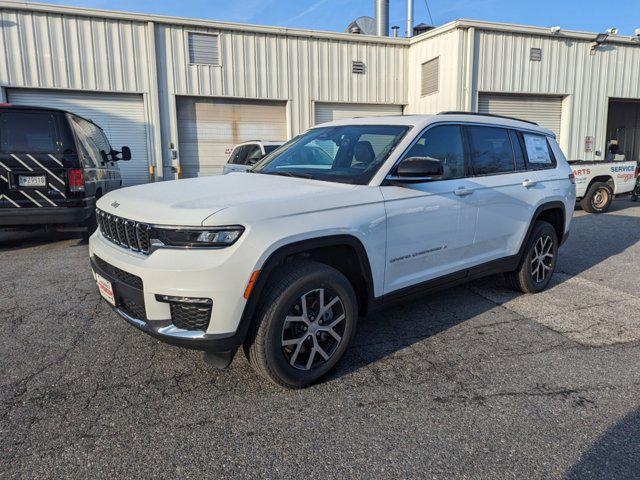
x=594, y=239
x=614, y=455
x=28, y=239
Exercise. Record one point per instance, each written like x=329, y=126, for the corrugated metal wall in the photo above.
x=64, y=51
x=282, y=67
x=447, y=47
x=567, y=69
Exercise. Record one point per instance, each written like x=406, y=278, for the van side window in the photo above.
x=443, y=143
x=539, y=154
x=491, y=150
x=29, y=132
x=518, y=151
x=93, y=132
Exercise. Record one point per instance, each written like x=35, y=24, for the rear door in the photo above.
x=32, y=168
x=237, y=159
x=506, y=192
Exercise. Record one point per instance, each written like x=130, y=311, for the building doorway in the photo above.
x=623, y=125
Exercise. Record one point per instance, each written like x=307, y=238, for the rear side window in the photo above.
x=491, y=150
x=29, y=132
x=538, y=151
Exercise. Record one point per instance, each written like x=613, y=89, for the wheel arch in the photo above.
x=608, y=179
x=553, y=212
x=346, y=253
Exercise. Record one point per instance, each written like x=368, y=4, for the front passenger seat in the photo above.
x=363, y=154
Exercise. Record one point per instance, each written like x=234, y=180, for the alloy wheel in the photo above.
x=542, y=259
x=313, y=329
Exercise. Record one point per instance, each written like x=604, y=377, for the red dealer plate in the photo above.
x=106, y=290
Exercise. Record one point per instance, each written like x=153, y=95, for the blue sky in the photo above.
x=589, y=15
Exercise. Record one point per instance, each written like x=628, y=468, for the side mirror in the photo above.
x=126, y=153
x=418, y=170
x=253, y=161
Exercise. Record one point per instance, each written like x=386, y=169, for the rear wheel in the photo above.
x=538, y=262
x=598, y=198
x=304, y=324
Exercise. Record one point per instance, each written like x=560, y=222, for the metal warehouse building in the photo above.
x=182, y=92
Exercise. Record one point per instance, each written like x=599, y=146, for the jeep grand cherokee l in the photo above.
x=283, y=260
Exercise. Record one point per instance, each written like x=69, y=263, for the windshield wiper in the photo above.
x=289, y=174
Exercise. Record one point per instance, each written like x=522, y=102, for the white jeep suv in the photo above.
x=282, y=261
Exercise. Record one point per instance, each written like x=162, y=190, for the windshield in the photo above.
x=345, y=154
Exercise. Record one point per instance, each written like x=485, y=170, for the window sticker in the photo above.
x=537, y=149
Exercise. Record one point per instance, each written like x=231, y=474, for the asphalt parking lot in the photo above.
x=474, y=382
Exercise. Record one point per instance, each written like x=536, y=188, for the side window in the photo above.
x=491, y=150
x=518, y=150
x=93, y=132
x=539, y=154
x=443, y=143
x=253, y=155
x=238, y=155
x=29, y=132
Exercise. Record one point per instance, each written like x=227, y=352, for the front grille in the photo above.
x=123, y=232
x=132, y=309
x=190, y=317
x=126, y=277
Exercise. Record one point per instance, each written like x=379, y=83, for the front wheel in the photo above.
x=304, y=324
x=538, y=261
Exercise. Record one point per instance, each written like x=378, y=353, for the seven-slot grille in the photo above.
x=123, y=232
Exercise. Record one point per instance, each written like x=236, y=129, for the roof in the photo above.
x=263, y=142
x=12, y=106
x=422, y=121
x=220, y=25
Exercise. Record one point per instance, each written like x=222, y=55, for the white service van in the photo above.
x=283, y=260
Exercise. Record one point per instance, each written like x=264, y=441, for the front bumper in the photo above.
x=164, y=330
x=47, y=215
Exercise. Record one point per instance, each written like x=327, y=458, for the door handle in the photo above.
x=463, y=191
x=529, y=183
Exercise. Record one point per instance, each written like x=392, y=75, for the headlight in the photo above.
x=195, y=237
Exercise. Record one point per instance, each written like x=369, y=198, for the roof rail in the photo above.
x=486, y=115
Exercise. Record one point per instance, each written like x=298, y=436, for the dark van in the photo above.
x=53, y=167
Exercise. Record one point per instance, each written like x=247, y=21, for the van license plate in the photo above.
x=106, y=290
x=32, y=181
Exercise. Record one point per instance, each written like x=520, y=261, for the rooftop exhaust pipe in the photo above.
x=382, y=18
x=409, y=18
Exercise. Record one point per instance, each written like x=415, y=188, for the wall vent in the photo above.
x=430, y=73
x=358, y=67
x=204, y=48
x=535, y=54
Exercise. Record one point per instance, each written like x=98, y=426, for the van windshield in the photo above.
x=344, y=154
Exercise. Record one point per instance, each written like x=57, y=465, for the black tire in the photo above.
x=598, y=198
x=526, y=279
x=289, y=286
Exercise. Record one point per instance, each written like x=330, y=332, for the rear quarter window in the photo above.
x=538, y=150
x=29, y=132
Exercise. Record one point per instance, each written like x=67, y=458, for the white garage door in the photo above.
x=543, y=110
x=208, y=128
x=121, y=116
x=327, y=112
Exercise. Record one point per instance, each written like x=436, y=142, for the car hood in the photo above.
x=190, y=202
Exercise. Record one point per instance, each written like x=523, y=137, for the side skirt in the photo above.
x=507, y=264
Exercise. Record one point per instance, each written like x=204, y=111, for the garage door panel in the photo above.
x=208, y=128
x=546, y=111
x=121, y=116
x=328, y=112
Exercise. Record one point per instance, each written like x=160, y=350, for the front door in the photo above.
x=430, y=225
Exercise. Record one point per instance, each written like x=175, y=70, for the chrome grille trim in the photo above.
x=123, y=232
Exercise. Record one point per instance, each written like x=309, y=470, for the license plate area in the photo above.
x=32, y=181
x=106, y=289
